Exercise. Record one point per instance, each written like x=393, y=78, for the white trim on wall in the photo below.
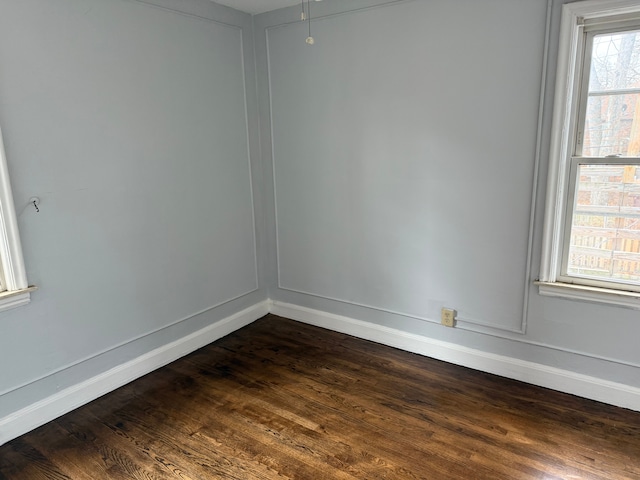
x=47, y=409
x=585, y=386
x=473, y=324
x=129, y=341
x=39, y=413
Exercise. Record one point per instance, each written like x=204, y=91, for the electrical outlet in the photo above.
x=448, y=317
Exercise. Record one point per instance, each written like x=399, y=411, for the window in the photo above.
x=591, y=247
x=14, y=289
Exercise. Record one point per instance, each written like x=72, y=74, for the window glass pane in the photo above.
x=615, y=61
x=605, y=229
x=612, y=121
x=612, y=126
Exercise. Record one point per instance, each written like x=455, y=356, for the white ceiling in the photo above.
x=258, y=6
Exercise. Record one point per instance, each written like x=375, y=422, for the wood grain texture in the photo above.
x=284, y=400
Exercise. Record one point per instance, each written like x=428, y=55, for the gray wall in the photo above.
x=408, y=149
x=134, y=125
x=401, y=168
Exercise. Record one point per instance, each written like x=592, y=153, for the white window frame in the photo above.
x=14, y=275
x=565, y=123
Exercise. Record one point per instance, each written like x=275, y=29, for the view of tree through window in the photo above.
x=612, y=123
x=605, y=229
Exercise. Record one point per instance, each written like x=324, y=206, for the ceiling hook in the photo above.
x=35, y=201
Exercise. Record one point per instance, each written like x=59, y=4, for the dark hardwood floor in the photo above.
x=284, y=400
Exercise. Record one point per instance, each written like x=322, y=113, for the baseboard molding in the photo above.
x=39, y=413
x=613, y=393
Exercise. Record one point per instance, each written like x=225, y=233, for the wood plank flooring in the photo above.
x=283, y=400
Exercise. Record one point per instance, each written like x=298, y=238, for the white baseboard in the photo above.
x=613, y=393
x=39, y=413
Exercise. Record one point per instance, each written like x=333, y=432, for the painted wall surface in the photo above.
x=408, y=148
x=133, y=124
x=398, y=166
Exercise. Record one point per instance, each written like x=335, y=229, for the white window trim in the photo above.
x=564, y=126
x=11, y=260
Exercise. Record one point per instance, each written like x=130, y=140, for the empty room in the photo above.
x=303, y=239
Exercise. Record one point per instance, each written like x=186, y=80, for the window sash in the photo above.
x=611, y=23
x=583, y=94
x=584, y=68
x=591, y=280
x=585, y=32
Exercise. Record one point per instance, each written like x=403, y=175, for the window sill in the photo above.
x=17, y=298
x=620, y=298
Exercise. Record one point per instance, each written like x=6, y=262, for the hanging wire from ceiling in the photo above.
x=306, y=15
x=309, y=40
